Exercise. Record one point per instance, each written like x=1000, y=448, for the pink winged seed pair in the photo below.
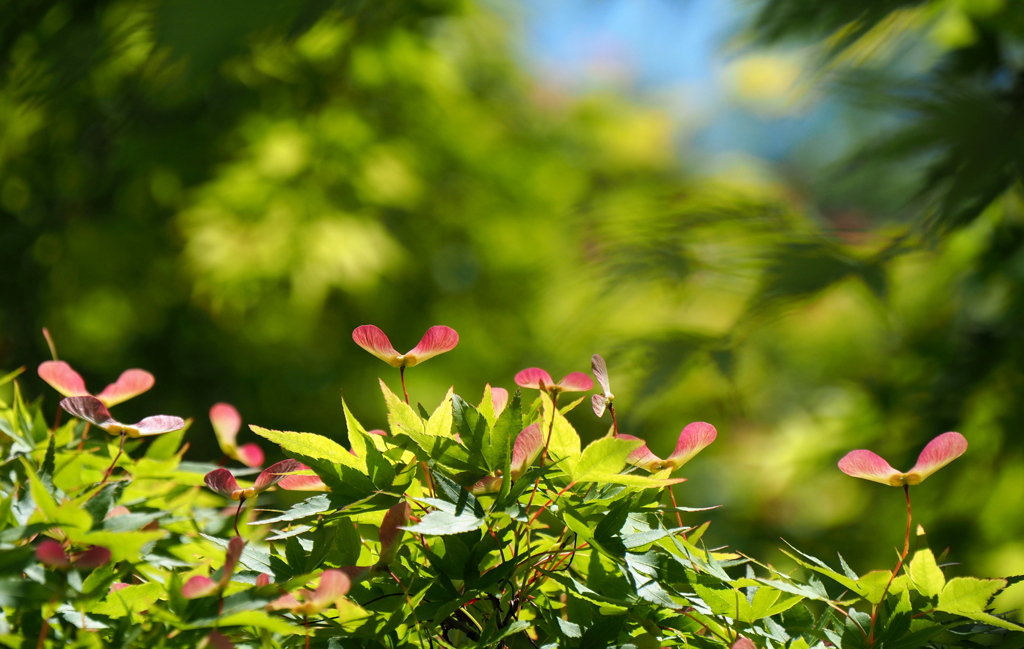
x=221, y=480
x=938, y=453
x=62, y=378
x=438, y=340
x=93, y=408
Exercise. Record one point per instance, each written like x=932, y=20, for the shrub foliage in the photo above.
x=469, y=523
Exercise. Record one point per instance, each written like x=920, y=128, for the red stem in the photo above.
x=895, y=571
x=401, y=374
x=551, y=426
x=110, y=469
x=533, y=519
x=679, y=517
x=238, y=512
x=615, y=423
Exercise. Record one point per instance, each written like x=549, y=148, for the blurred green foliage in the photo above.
x=220, y=192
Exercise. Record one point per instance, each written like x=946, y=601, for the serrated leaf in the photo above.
x=605, y=456
x=252, y=557
x=581, y=591
x=295, y=555
x=763, y=603
x=472, y=429
x=563, y=440
x=724, y=601
x=968, y=596
x=260, y=620
x=847, y=570
x=926, y=574
x=313, y=446
x=68, y=515
x=821, y=567
x=440, y=422
x=103, y=501
x=401, y=416
x=645, y=569
x=872, y=585
x=316, y=505
x=796, y=589
x=358, y=438
x=577, y=523
x=503, y=434
x=122, y=545
x=133, y=599
x=130, y=522
x=632, y=480
x=46, y=469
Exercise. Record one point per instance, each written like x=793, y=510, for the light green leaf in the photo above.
x=69, y=516
x=358, y=438
x=725, y=601
x=871, y=586
x=123, y=546
x=260, y=620
x=795, y=589
x=349, y=611
x=926, y=574
x=572, y=405
x=968, y=594
x=486, y=407
x=821, y=567
x=436, y=438
x=632, y=480
x=311, y=445
x=440, y=422
x=167, y=445
x=10, y=376
x=401, y=416
x=564, y=444
x=764, y=602
x=602, y=457
x=136, y=598
x=577, y=523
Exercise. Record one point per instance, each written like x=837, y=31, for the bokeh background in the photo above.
x=801, y=221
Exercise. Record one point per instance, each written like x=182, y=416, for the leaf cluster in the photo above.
x=578, y=551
